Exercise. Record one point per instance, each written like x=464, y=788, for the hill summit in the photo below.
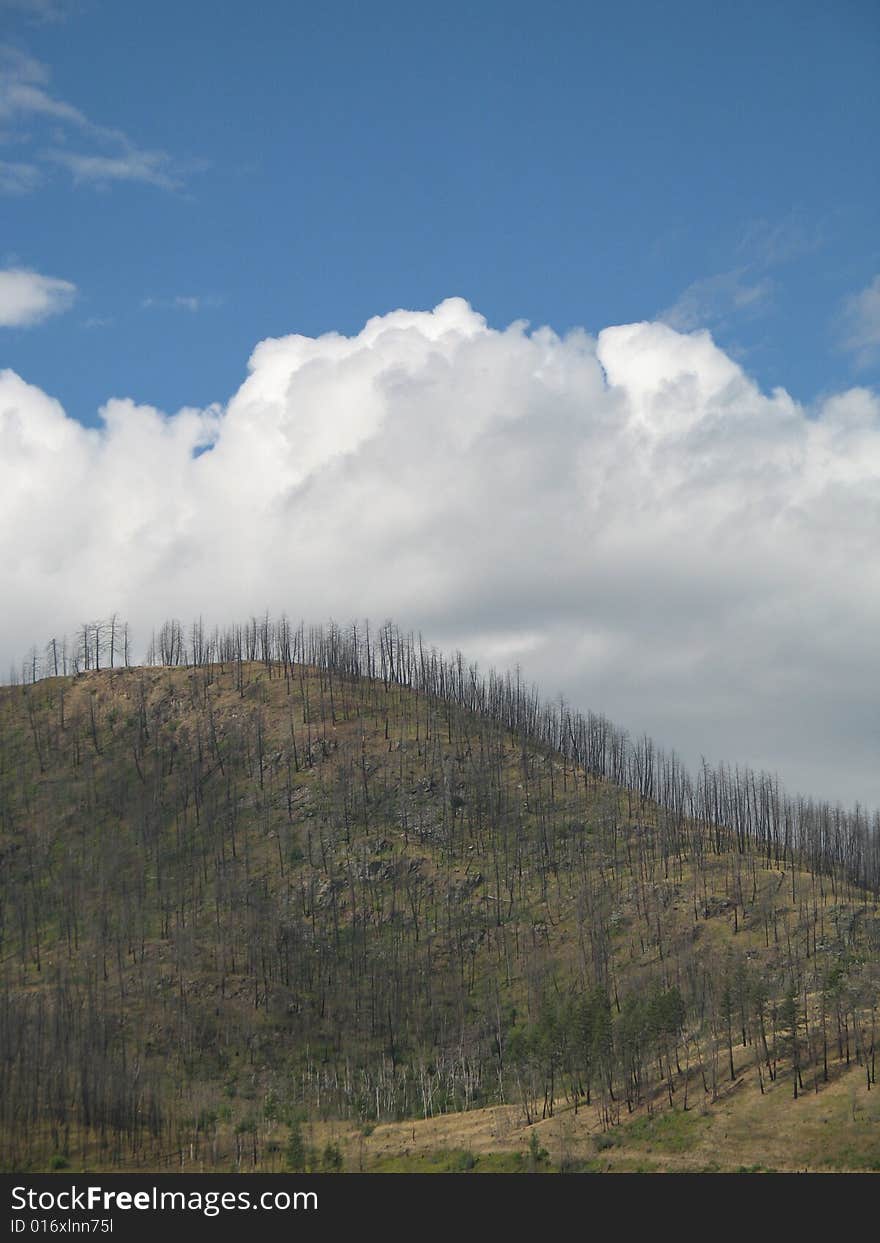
x=281, y=879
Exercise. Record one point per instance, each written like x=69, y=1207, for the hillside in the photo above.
x=308, y=903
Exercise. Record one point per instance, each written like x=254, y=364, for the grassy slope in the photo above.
x=371, y=797
x=836, y=1129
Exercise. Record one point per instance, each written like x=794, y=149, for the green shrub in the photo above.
x=331, y=1159
x=537, y=1154
x=295, y=1152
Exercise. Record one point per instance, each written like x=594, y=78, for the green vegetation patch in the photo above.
x=670, y=1131
x=441, y=1161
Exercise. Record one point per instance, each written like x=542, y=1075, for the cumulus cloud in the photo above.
x=861, y=324
x=627, y=517
x=26, y=297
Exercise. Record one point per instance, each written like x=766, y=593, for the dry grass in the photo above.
x=834, y=1129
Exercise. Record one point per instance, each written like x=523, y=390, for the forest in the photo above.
x=283, y=882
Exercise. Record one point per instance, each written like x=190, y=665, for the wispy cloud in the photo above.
x=146, y=166
x=182, y=302
x=25, y=99
x=860, y=324
x=17, y=66
x=713, y=300
x=27, y=297
x=769, y=243
x=111, y=156
x=745, y=288
x=42, y=11
x=18, y=178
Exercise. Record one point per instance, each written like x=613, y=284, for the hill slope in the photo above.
x=239, y=896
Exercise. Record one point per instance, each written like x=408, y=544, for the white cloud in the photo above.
x=861, y=324
x=26, y=297
x=630, y=518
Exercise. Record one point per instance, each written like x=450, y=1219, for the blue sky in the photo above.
x=314, y=165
